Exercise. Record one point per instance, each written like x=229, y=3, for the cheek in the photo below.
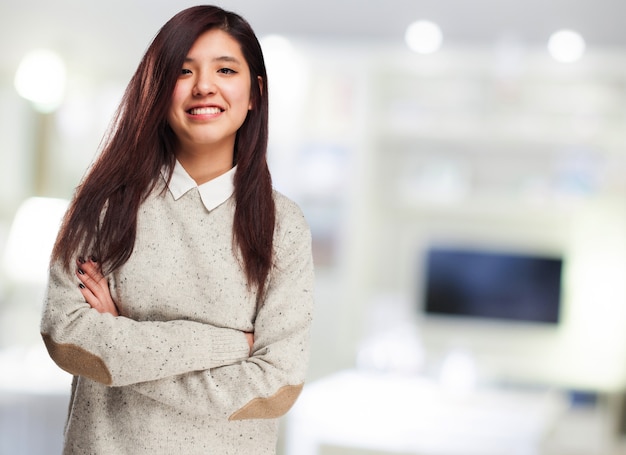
x=175, y=103
x=171, y=117
x=245, y=99
x=238, y=95
x=178, y=95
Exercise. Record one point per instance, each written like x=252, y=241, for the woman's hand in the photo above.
x=95, y=287
x=250, y=338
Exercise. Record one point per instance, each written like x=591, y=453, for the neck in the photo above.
x=203, y=165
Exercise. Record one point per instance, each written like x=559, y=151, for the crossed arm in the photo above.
x=191, y=366
x=95, y=289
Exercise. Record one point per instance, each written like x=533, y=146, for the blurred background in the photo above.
x=462, y=166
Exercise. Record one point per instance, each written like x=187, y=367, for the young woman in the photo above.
x=181, y=283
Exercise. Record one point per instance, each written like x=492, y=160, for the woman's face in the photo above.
x=212, y=95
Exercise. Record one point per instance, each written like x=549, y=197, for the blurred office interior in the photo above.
x=400, y=127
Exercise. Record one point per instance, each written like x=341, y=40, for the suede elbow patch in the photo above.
x=77, y=361
x=271, y=407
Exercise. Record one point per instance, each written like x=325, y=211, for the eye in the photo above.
x=185, y=71
x=226, y=71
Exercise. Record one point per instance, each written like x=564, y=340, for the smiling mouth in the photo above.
x=204, y=111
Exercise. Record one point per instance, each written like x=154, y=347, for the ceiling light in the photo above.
x=566, y=46
x=423, y=37
x=40, y=78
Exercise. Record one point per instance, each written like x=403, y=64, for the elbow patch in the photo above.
x=271, y=407
x=77, y=361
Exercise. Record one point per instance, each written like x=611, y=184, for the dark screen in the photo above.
x=492, y=285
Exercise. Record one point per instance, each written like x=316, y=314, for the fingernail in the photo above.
x=81, y=260
x=81, y=285
x=81, y=271
x=93, y=258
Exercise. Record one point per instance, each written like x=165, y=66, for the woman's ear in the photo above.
x=260, y=82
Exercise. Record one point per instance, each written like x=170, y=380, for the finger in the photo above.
x=97, y=296
x=93, y=271
x=97, y=304
x=89, y=283
x=102, y=306
x=96, y=287
x=90, y=298
x=90, y=275
x=250, y=340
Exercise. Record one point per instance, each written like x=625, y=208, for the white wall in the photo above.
x=453, y=147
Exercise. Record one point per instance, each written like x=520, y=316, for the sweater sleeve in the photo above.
x=267, y=383
x=118, y=351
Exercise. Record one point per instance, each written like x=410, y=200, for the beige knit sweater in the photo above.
x=173, y=374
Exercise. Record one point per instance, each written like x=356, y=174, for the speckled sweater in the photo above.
x=173, y=373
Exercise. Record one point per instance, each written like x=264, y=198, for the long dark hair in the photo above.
x=102, y=218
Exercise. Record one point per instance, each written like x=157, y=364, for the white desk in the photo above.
x=399, y=414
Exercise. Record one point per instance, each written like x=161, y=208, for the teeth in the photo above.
x=205, y=111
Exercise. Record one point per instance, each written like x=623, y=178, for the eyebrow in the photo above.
x=223, y=58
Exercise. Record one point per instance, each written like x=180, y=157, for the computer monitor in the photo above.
x=493, y=285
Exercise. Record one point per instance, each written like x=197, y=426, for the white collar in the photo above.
x=213, y=193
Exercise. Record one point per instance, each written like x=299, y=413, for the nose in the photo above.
x=205, y=85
